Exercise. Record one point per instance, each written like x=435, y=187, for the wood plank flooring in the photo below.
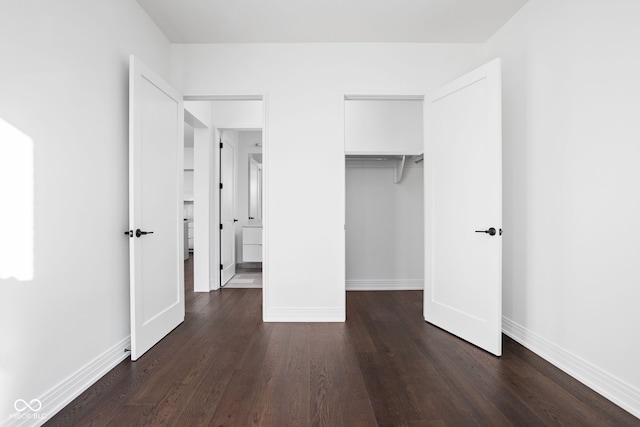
x=385, y=366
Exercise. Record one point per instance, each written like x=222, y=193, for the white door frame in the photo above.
x=215, y=253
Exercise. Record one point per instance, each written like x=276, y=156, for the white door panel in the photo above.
x=155, y=196
x=227, y=213
x=463, y=194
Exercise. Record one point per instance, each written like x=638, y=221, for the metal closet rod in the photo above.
x=382, y=157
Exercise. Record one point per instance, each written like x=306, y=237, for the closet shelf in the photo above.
x=399, y=161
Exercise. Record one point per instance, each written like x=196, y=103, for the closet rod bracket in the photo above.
x=399, y=169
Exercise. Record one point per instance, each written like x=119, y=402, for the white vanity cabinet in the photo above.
x=190, y=235
x=252, y=243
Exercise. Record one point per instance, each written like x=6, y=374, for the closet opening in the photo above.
x=384, y=206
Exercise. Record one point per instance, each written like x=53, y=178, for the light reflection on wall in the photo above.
x=16, y=203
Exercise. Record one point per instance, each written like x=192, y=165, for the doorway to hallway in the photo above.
x=241, y=208
x=222, y=187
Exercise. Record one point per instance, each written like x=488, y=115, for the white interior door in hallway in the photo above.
x=155, y=208
x=227, y=212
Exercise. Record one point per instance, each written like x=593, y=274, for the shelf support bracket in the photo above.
x=399, y=169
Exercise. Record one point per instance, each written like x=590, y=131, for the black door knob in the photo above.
x=142, y=233
x=490, y=232
x=235, y=220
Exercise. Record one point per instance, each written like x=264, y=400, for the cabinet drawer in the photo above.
x=251, y=236
x=252, y=253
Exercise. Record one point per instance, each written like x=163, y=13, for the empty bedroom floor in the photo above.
x=385, y=366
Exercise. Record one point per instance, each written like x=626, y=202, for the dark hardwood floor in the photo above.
x=385, y=366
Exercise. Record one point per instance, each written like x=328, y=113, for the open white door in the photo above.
x=463, y=208
x=227, y=213
x=156, y=122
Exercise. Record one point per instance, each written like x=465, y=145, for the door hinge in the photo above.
x=221, y=267
x=220, y=144
x=221, y=186
x=220, y=226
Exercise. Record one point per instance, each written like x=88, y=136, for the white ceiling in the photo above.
x=298, y=21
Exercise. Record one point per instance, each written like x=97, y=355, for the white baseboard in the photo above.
x=309, y=314
x=70, y=388
x=385, y=285
x=613, y=388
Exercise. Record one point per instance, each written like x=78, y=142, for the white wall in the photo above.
x=189, y=169
x=304, y=168
x=384, y=226
x=571, y=202
x=64, y=82
x=237, y=114
x=383, y=126
x=247, y=141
